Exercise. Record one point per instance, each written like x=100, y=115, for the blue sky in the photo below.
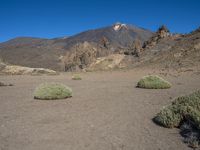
x=57, y=18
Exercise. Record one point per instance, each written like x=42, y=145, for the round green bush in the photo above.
x=182, y=108
x=168, y=117
x=51, y=91
x=184, y=112
x=153, y=82
x=76, y=77
x=173, y=115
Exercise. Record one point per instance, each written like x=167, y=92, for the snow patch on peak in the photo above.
x=118, y=26
x=65, y=37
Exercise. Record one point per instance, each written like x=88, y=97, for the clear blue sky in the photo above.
x=56, y=18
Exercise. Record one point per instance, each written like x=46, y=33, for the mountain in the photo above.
x=118, y=35
x=49, y=53
x=112, y=47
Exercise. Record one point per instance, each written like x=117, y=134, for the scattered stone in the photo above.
x=3, y=84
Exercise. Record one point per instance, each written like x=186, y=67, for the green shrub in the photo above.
x=3, y=84
x=182, y=107
x=194, y=117
x=153, y=82
x=76, y=77
x=183, y=110
x=51, y=91
x=168, y=117
x=192, y=100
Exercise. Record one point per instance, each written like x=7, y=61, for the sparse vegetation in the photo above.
x=153, y=82
x=76, y=77
x=3, y=84
x=51, y=91
x=184, y=112
x=168, y=117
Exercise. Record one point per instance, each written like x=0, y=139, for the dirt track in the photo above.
x=106, y=112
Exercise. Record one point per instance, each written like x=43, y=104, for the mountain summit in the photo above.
x=118, y=35
x=118, y=26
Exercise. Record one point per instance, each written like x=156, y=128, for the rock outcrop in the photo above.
x=19, y=70
x=82, y=55
x=111, y=62
x=134, y=49
x=179, y=52
x=162, y=33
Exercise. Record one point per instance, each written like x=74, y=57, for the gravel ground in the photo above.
x=106, y=112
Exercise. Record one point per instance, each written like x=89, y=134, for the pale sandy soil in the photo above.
x=106, y=112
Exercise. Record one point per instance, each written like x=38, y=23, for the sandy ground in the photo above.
x=106, y=112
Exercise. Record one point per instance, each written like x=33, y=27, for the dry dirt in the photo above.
x=106, y=112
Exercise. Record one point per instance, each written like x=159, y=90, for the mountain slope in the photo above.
x=48, y=53
x=31, y=52
x=118, y=35
x=175, y=52
x=163, y=51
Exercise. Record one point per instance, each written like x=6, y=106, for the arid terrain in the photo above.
x=106, y=112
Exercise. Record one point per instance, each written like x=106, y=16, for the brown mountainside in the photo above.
x=48, y=53
x=103, y=47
